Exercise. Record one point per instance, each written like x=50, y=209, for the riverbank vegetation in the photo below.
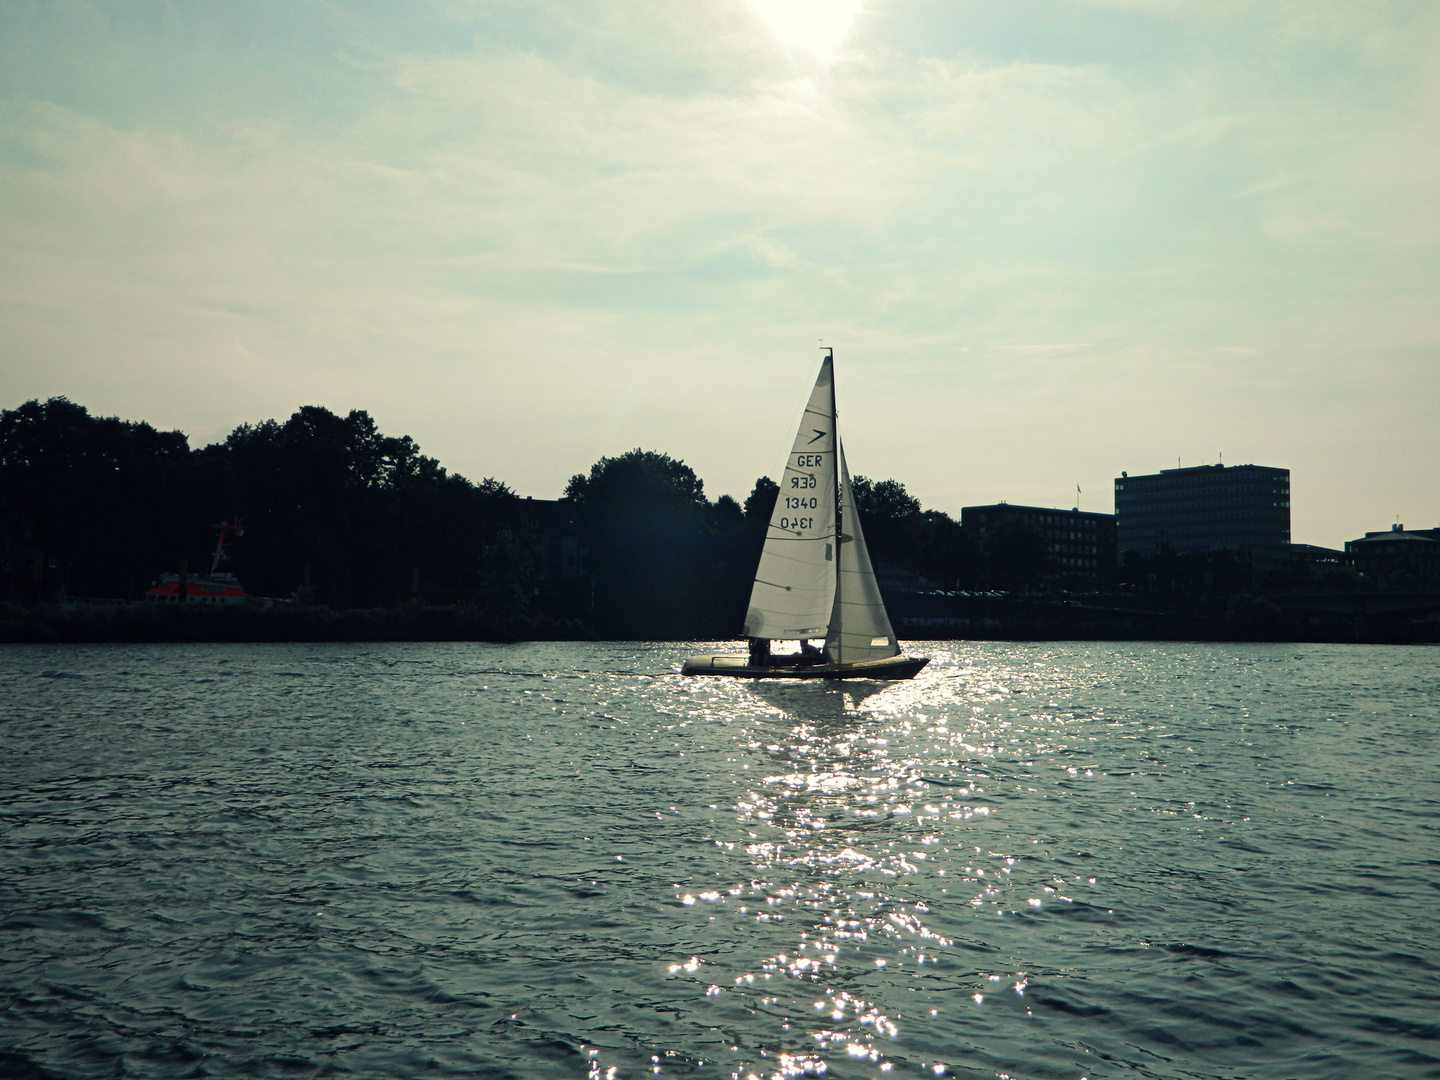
x=340, y=517
x=353, y=534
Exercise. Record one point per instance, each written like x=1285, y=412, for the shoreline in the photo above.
x=121, y=623
x=992, y=617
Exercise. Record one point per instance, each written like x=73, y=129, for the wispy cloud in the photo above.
x=491, y=220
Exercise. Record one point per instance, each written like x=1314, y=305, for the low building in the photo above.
x=1404, y=559
x=1239, y=508
x=551, y=527
x=1081, y=544
x=1317, y=556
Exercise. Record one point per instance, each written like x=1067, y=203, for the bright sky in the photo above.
x=1048, y=239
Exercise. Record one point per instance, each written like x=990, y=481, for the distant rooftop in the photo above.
x=1221, y=465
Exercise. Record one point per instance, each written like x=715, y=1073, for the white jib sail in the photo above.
x=794, y=589
x=859, y=627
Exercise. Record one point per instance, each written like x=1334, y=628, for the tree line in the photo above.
x=337, y=513
x=334, y=510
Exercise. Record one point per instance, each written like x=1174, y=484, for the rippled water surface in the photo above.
x=1039, y=860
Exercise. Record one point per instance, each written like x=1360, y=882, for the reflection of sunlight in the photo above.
x=816, y=27
x=873, y=822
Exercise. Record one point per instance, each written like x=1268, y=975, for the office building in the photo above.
x=1239, y=508
x=1081, y=545
x=1407, y=560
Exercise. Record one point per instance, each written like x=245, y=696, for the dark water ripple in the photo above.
x=1051, y=860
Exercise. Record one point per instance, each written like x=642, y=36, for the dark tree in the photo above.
x=883, y=500
x=727, y=512
x=99, y=507
x=900, y=533
x=760, y=503
x=643, y=517
x=91, y=506
x=887, y=514
x=364, y=517
x=507, y=575
x=943, y=551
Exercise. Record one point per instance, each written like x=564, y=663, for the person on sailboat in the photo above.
x=759, y=652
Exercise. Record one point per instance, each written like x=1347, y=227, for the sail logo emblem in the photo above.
x=818, y=435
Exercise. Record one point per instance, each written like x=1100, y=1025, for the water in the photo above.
x=1037, y=860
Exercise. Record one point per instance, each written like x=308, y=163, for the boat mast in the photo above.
x=837, y=608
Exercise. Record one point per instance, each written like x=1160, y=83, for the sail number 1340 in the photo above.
x=801, y=503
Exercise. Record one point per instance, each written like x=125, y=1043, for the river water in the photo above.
x=563, y=860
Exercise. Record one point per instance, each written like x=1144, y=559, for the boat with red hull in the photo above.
x=215, y=587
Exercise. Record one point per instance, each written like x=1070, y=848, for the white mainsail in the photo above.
x=859, y=627
x=794, y=591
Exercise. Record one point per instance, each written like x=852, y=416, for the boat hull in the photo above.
x=738, y=667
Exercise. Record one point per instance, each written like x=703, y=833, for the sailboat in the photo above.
x=815, y=579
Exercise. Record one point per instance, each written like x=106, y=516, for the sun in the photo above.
x=818, y=28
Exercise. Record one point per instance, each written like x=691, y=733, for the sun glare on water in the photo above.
x=818, y=28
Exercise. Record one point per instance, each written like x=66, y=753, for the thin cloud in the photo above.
x=492, y=218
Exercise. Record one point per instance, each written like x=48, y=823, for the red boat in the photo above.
x=215, y=587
